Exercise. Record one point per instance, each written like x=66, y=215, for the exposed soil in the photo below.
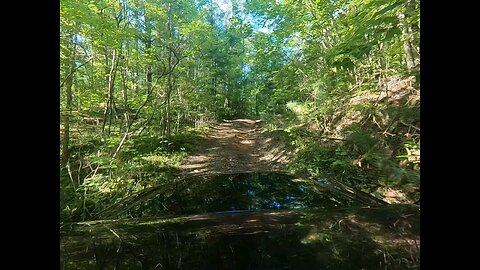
x=235, y=146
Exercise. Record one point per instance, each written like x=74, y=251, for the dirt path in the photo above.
x=234, y=146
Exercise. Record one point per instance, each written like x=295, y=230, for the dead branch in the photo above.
x=410, y=125
x=331, y=138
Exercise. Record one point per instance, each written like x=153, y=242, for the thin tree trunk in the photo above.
x=407, y=46
x=110, y=107
x=166, y=124
x=179, y=115
x=167, y=107
x=66, y=117
x=148, y=46
x=125, y=95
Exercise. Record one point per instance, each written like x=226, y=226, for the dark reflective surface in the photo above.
x=233, y=192
x=304, y=224
x=358, y=238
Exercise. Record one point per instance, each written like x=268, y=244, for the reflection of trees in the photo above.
x=383, y=238
x=240, y=192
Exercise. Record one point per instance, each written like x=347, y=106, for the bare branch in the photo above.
x=73, y=71
x=410, y=125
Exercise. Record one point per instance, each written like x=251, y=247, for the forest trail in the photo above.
x=236, y=146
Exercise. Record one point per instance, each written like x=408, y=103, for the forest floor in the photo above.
x=236, y=146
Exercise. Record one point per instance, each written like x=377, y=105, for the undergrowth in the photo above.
x=93, y=181
x=373, y=145
x=359, y=161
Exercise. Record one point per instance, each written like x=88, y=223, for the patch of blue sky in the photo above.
x=79, y=38
x=292, y=47
x=246, y=69
x=225, y=12
x=290, y=51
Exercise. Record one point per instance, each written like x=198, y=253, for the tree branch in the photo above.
x=73, y=71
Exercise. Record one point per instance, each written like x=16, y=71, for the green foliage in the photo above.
x=348, y=56
x=146, y=161
x=360, y=139
x=359, y=161
x=144, y=73
x=334, y=162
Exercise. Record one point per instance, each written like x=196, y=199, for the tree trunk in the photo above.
x=66, y=116
x=126, y=108
x=110, y=107
x=148, y=46
x=166, y=124
x=407, y=42
x=408, y=53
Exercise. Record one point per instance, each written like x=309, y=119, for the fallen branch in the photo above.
x=119, y=146
x=331, y=138
x=410, y=125
x=376, y=123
